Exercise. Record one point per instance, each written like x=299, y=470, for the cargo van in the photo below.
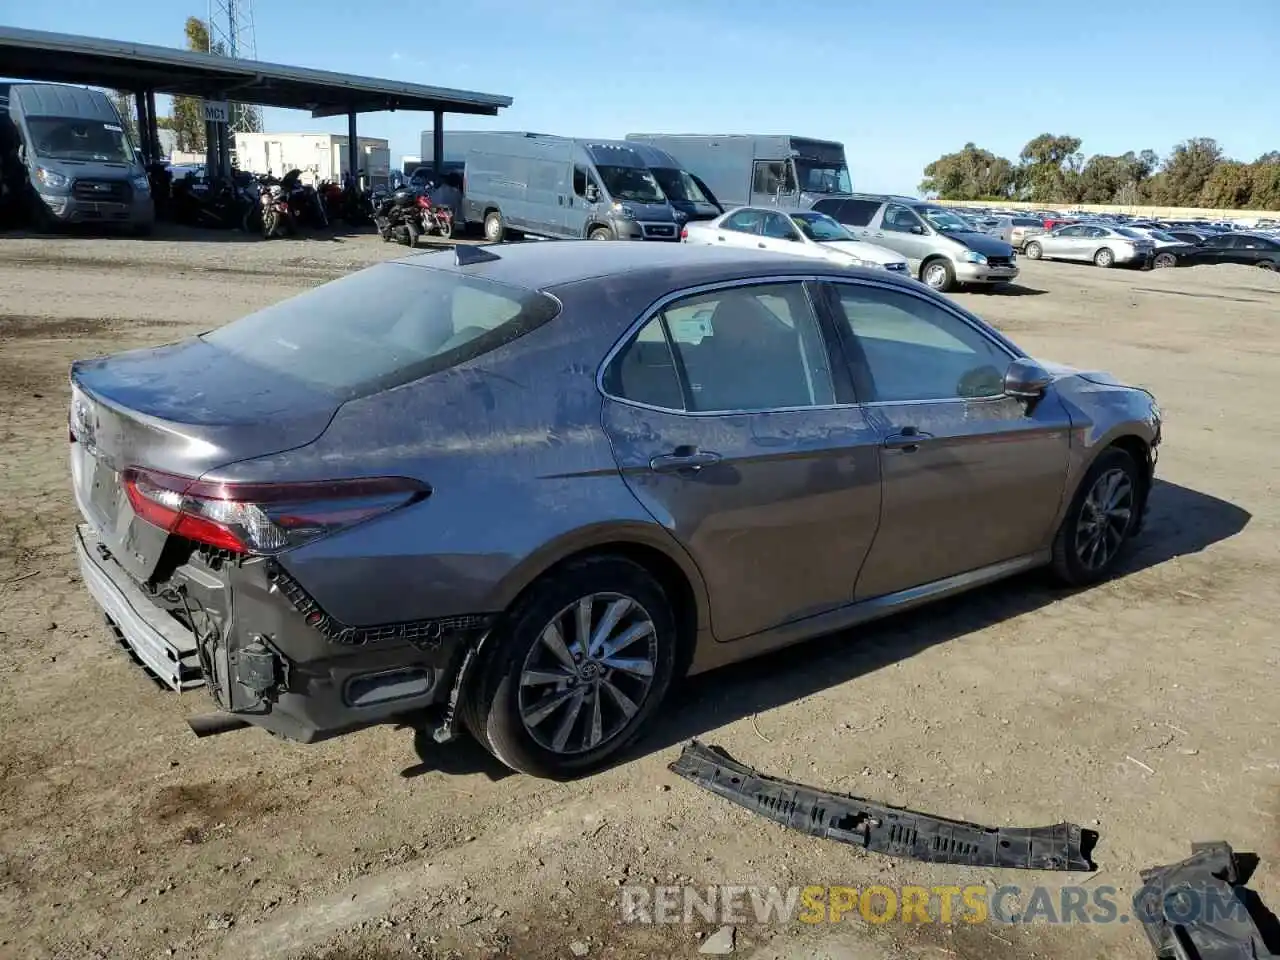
x=556, y=187
x=755, y=169
x=80, y=164
x=686, y=192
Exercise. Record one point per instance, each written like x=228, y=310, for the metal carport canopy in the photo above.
x=65, y=58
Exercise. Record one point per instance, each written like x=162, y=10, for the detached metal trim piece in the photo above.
x=894, y=831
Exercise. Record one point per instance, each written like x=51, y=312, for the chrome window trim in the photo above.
x=659, y=305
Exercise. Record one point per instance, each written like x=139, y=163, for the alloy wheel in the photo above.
x=936, y=275
x=588, y=673
x=1105, y=518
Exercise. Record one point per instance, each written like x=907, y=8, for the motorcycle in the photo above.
x=304, y=201
x=436, y=219
x=277, y=215
x=399, y=216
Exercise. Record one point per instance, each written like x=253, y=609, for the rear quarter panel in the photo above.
x=521, y=472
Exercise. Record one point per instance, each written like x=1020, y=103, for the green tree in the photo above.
x=1050, y=167
x=187, y=116
x=1188, y=169
x=970, y=174
x=1230, y=186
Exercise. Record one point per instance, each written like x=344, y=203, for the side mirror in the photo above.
x=592, y=194
x=917, y=229
x=1026, y=380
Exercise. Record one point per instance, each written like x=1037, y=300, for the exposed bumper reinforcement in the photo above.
x=160, y=643
x=893, y=831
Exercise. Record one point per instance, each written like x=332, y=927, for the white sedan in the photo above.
x=801, y=233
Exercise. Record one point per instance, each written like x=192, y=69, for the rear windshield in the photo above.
x=384, y=326
x=1026, y=222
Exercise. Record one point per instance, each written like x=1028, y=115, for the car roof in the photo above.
x=546, y=265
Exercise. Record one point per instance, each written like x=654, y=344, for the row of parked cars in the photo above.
x=1107, y=240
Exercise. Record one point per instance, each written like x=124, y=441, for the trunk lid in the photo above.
x=185, y=409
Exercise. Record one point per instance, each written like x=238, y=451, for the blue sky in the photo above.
x=898, y=83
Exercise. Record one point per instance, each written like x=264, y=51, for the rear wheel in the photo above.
x=1268, y=265
x=579, y=666
x=495, y=228
x=938, y=275
x=411, y=233
x=1100, y=520
x=1104, y=258
x=1163, y=260
x=1033, y=251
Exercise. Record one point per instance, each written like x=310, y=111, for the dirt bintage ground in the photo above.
x=1146, y=707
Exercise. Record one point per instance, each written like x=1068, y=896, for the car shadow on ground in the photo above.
x=1004, y=290
x=1181, y=521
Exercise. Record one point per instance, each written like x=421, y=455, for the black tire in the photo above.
x=411, y=234
x=445, y=228
x=1162, y=260
x=1033, y=250
x=1104, y=258
x=1069, y=557
x=495, y=227
x=490, y=708
x=937, y=274
x=600, y=233
x=1268, y=265
x=270, y=223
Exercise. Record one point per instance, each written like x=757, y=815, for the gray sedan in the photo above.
x=528, y=485
x=1095, y=243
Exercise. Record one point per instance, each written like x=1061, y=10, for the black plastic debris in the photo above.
x=894, y=831
x=1199, y=908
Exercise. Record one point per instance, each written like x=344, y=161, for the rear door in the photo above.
x=970, y=477
x=731, y=429
x=740, y=229
x=902, y=230
x=1062, y=244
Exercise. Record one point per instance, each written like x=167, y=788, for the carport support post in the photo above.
x=144, y=127
x=437, y=143
x=353, y=151
x=153, y=128
x=210, y=150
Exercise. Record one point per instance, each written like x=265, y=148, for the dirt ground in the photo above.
x=1145, y=708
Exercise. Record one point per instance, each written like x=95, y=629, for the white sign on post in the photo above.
x=217, y=111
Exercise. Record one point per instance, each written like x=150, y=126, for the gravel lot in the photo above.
x=1145, y=708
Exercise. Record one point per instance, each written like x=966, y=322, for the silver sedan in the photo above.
x=1101, y=245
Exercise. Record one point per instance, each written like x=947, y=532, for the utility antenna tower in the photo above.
x=231, y=34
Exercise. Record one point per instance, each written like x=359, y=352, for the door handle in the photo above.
x=683, y=459
x=908, y=440
x=761, y=246
x=721, y=239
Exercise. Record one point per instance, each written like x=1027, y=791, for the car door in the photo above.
x=578, y=206
x=779, y=234
x=1216, y=249
x=971, y=477
x=1058, y=244
x=900, y=229
x=731, y=429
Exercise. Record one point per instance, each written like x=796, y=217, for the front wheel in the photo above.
x=411, y=233
x=1163, y=260
x=1101, y=518
x=579, y=666
x=600, y=233
x=938, y=275
x=1104, y=258
x=1268, y=265
x=1033, y=251
x=444, y=226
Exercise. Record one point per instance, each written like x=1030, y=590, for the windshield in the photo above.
x=631, y=183
x=63, y=138
x=944, y=221
x=818, y=177
x=679, y=185
x=383, y=326
x=820, y=227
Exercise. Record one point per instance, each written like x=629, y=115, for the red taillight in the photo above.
x=684, y=233
x=262, y=518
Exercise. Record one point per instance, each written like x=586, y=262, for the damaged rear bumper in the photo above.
x=893, y=831
x=267, y=652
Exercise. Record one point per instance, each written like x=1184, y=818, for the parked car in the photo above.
x=470, y=478
x=1103, y=246
x=1192, y=237
x=1015, y=231
x=941, y=248
x=800, y=233
x=1252, y=249
x=1167, y=246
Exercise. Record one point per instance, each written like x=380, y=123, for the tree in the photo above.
x=970, y=174
x=126, y=106
x=187, y=114
x=1188, y=169
x=1229, y=186
x=1051, y=166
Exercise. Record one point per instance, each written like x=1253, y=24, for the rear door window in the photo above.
x=384, y=326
